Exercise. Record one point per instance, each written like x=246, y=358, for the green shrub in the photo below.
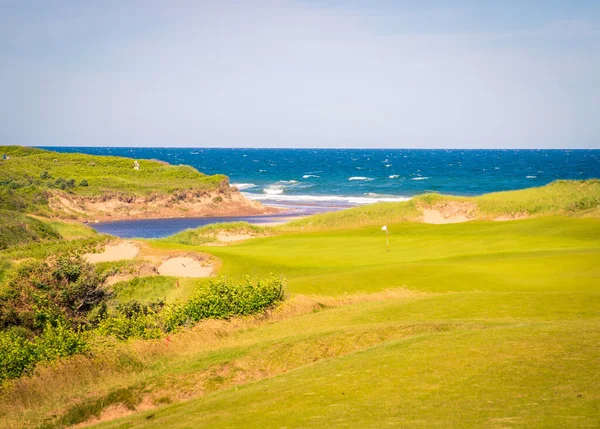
x=133, y=319
x=52, y=291
x=19, y=354
x=145, y=326
x=83, y=183
x=224, y=298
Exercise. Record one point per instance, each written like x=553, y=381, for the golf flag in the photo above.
x=387, y=240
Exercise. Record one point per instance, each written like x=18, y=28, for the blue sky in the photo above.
x=305, y=73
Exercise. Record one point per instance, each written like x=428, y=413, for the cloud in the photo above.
x=279, y=73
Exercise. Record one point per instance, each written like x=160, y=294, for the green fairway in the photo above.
x=506, y=334
x=478, y=324
x=549, y=254
x=454, y=360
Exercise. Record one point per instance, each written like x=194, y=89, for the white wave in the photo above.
x=367, y=179
x=274, y=190
x=242, y=186
x=388, y=165
x=419, y=178
x=324, y=198
x=288, y=182
x=530, y=177
x=393, y=176
x=307, y=176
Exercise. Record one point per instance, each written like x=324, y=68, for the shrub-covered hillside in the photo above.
x=29, y=175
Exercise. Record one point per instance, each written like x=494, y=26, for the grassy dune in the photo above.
x=30, y=172
x=563, y=197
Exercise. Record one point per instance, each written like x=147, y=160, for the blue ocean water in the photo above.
x=342, y=177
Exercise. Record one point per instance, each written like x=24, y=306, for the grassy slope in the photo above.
x=104, y=174
x=16, y=229
x=563, y=197
x=507, y=337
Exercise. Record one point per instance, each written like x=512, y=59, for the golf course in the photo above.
x=462, y=312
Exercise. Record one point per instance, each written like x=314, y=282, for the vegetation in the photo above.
x=31, y=176
x=16, y=229
x=52, y=308
x=563, y=197
x=208, y=234
x=457, y=325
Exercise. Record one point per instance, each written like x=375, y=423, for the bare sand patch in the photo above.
x=230, y=238
x=117, y=252
x=185, y=267
x=449, y=212
x=515, y=216
x=436, y=217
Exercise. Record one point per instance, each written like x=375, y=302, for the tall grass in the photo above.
x=17, y=229
x=208, y=233
x=563, y=197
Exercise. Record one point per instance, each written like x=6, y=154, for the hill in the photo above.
x=86, y=187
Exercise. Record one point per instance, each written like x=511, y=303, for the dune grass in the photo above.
x=18, y=229
x=562, y=197
x=499, y=328
x=208, y=233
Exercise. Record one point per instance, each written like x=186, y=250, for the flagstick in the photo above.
x=387, y=240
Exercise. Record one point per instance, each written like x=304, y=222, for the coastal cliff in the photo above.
x=88, y=188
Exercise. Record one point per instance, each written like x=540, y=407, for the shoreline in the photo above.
x=164, y=227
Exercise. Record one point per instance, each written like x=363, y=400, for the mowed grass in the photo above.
x=502, y=329
x=548, y=254
x=505, y=334
x=409, y=363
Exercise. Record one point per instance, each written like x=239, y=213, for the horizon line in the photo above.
x=307, y=148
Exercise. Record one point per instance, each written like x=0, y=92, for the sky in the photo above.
x=303, y=73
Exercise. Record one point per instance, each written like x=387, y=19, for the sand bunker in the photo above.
x=435, y=217
x=230, y=238
x=118, y=252
x=184, y=267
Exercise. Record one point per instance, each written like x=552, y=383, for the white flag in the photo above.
x=384, y=228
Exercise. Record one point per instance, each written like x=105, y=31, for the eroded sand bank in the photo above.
x=116, y=252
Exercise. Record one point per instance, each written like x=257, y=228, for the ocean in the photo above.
x=328, y=179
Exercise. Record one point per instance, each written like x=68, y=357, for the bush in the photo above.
x=224, y=298
x=133, y=319
x=83, y=183
x=19, y=355
x=41, y=292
